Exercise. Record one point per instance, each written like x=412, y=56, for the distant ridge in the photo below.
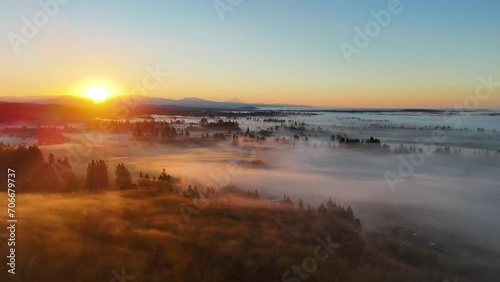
x=190, y=102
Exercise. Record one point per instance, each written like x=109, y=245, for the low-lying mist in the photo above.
x=445, y=195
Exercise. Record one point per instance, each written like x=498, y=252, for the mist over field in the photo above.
x=414, y=190
x=445, y=195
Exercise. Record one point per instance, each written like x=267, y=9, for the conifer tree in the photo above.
x=89, y=180
x=322, y=210
x=123, y=179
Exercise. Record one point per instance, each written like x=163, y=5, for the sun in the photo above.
x=97, y=93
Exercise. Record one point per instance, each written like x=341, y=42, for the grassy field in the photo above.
x=154, y=235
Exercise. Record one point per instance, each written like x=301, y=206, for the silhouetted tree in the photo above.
x=164, y=176
x=97, y=175
x=301, y=205
x=89, y=180
x=287, y=200
x=322, y=210
x=349, y=213
x=257, y=195
x=358, y=223
x=310, y=210
x=330, y=205
x=123, y=179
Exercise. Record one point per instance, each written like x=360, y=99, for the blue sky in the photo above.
x=270, y=51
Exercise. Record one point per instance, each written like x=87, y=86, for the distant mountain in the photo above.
x=189, y=102
x=194, y=102
x=236, y=100
x=231, y=104
x=191, y=99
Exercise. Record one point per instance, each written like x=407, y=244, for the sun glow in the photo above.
x=97, y=93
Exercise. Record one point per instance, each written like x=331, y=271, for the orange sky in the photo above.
x=292, y=57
